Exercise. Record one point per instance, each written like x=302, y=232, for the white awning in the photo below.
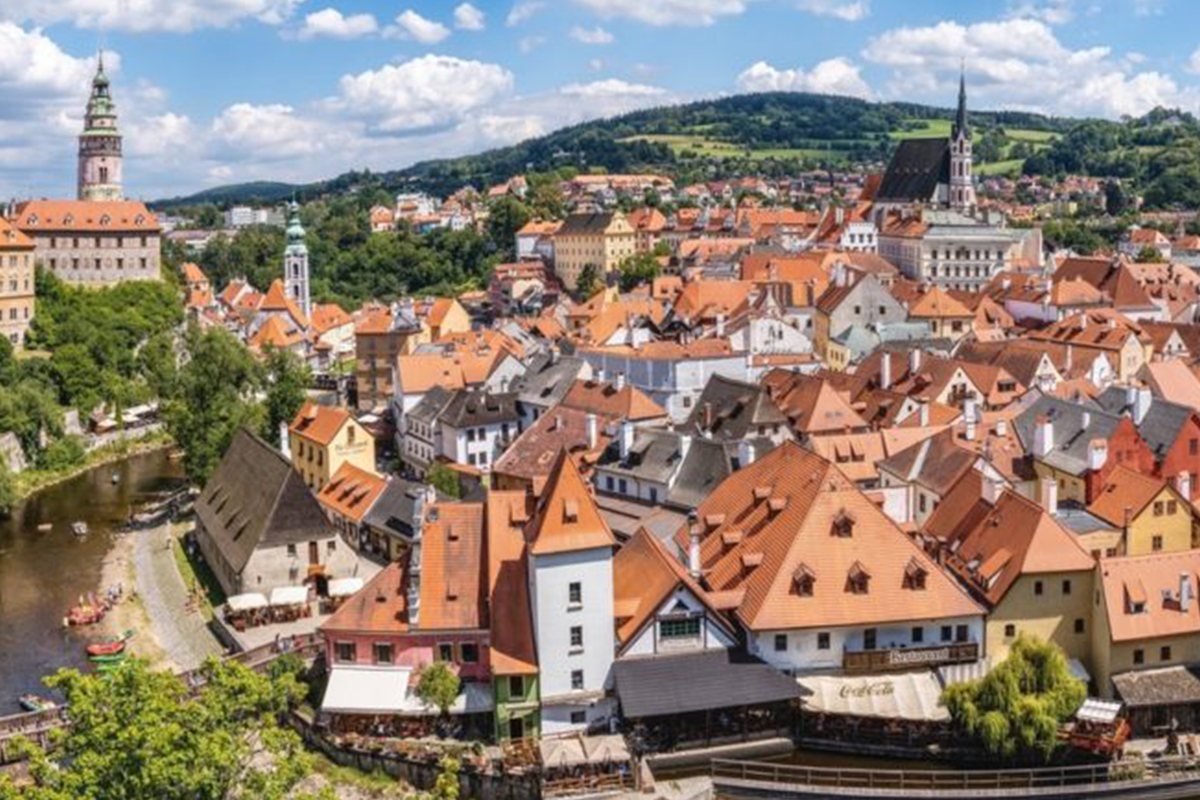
x=577, y=749
x=246, y=602
x=1078, y=670
x=473, y=698
x=344, y=587
x=366, y=690
x=905, y=695
x=1101, y=711
x=289, y=595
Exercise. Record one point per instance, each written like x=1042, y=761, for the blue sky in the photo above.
x=220, y=91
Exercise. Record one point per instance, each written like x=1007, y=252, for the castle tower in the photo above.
x=962, y=187
x=295, y=263
x=100, y=144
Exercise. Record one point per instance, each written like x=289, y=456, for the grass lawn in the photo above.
x=1010, y=167
x=1027, y=135
x=926, y=129
x=197, y=575
x=700, y=145
x=377, y=783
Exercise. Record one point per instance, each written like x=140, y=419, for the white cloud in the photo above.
x=612, y=87
x=833, y=76
x=411, y=25
x=595, y=35
x=177, y=16
x=667, y=12
x=468, y=18
x=501, y=130
x=530, y=43
x=523, y=11
x=1020, y=63
x=265, y=132
x=425, y=92
x=1051, y=12
x=329, y=22
x=838, y=9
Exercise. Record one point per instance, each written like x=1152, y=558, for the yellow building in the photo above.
x=321, y=439
x=16, y=284
x=444, y=316
x=1153, y=516
x=601, y=240
x=947, y=317
x=1146, y=616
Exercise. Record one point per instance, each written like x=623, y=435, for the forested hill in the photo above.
x=782, y=133
x=766, y=133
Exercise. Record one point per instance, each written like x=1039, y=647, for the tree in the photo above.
x=1149, y=255
x=447, y=786
x=1115, y=200
x=137, y=733
x=287, y=379
x=638, y=269
x=8, y=490
x=438, y=686
x=587, y=284
x=1015, y=710
x=445, y=480
x=506, y=216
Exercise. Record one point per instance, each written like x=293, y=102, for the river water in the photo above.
x=43, y=574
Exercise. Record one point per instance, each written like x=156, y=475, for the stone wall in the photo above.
x=121, y=256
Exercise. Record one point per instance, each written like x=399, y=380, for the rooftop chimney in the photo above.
x=694, y=550
x=285, y=441
x=1043, y=437
x=745, y=454
x=885, y=371
x=1050, y=496
x=1185, y=592
x=593, y=432
x=914, y=361
x=721, y=325
x=1097, y=454
x=626, y=438
x=1183, y=485
x=619, y=381
x=1141, y=405
x=991, y=489
x=924, y=413
x=1002, y=427
x=969, y=414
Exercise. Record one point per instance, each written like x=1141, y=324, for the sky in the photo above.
x=213, y=92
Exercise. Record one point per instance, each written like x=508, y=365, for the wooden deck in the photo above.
x=1164, y=779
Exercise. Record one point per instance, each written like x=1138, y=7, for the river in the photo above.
x=43, y=574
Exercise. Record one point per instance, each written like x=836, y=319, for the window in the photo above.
x=1156, y=543
x=1037, y=588
x=822, y=641
x=445, y=652
x=947, y=633
x=383, y=653
x=291, y=551
x=960, y=633
x=1194, y=447
x=781, y=643
x=575, y=593
x=1079, y=625
x=345, y=651
x=1010, y=631
x=869, y=636
x=469, y=653
x=516, y=686
x=1158, y=508
x=1066, y=587
x=654, y=493
x=1172, y=507
x=576, y=679
x=578, y=717
x=577, y=637
x=331, y=546
x=680, y=628
x=921, y=503
x=918, y=635
x=470, y=434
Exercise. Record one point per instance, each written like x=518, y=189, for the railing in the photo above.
x=956, y=782
x=894, y=658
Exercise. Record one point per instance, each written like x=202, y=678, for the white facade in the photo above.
x=572, y=598
x=477, y=446
x=860, y=237
x=765, y=335
x=681, y=623
x=675, y=384
x=823, y=649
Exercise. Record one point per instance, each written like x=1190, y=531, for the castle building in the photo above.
x=100, y=144
x=295, y=264
x=16, y=284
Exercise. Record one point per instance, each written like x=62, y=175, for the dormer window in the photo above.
x=571, y=511
x=858, y=580
x=106, y=220
x=68, y=220
x=914, y=575
x=33, y=219
x=803, y=580
x=843, y=524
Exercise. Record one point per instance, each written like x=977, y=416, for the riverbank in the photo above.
x=130, y=613
x=32, y=481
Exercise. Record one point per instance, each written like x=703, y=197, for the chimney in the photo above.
x=745, y=454
x=626, y=438
x=593, y=432
x=706, y=417
x=1185, y=592
x=685, y=444
x=694, y=567
x=285, y=440
x=914, y=362
x=885, y=371
x=1141, y=405
x=1043, y=437
x=991, y=489
x=1083, y=321
x=721, y=325
x=1183, y=485
x=1050, y=496
x=839, y=215
x=1097, y=454
x=969, y=414
x=600, y=375
x=924, y=413
x=619, y=381
x=1085, y=420
x=1002, y=427
x=1070, y=358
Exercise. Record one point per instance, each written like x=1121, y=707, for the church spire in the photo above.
x=960, y=118
x=99, y=165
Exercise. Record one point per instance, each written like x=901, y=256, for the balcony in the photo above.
x=898, y=658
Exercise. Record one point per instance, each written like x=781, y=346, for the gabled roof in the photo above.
x=567, y=518
x=1154, y=582
x=35, y=216
x=915, y=170
x=319, y=423
x=327, y=316
x=276, y=300
x=471, y=407
x=937, y=303
x=379, y=607
x=254, y=498
x=732, y=410
x=607, y=400
x=1161, y=425
x=351, y=492
x=811, y=404
x=1071, y=436
x=784, y=506
x=935, y=463
x=453, y=570
x=273, y=333
x=1126, y=492
x=512, y=644
x=532, y=455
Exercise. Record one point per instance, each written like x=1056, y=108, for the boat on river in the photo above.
x=45, y=527
x=112, y=658
x=86, y=614
x=79, y=528
x=110, y=646
x=32, y=703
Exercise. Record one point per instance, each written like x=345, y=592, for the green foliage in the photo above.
x=438, y=686
x=638, y=269
x=254, y=253
x=445, y=480
x=137, y=733
x=63, y=454
x=1072, y=235
x=8, y=490
x=1014, y=711
x=214, y=400
x=287, y=379
x=505, y=217
x=1150, y=255
x=588, y=282
x=446, y=787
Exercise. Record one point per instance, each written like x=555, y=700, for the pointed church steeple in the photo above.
x=960, y=118
x=99, y=175
x=962, y=187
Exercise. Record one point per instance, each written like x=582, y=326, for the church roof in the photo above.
x=916, y=169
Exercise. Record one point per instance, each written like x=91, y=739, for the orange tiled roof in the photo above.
x=1154, y=581
x=351, y=492
x=327, y=316
x=85, y=215
x=936, y=303
x=193, y=274
x=1125, y=491
x=512, y=647
x=629, y=403
x=13, y=239
x=276, y=300
x=453, y=572
x=318, y=423
x=567, y=517
x=272, y=333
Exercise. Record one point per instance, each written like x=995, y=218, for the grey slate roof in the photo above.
x=653, y=457
x=430, y=406
x=1161, y=425
x=585, y=224
x=255, y=499
x=935, y=463
x=548, y=379
x=916, y=169
x=397, y=508
x=1070, y=436
x=471, y=407
x=653, y=686
x=737, y=409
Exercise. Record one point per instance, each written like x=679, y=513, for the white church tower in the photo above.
x=295, y=264
x=962, y=186
x=100, y=143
